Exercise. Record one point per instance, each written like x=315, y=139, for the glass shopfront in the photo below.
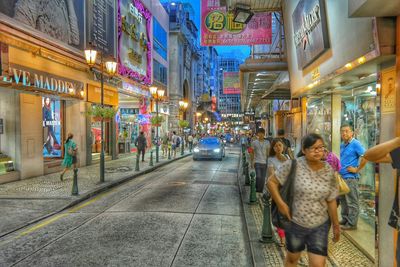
x=319, y=119
x=128, y=127
x=360, y=108
x=95, y=128
x=7, y=132
x=52, y=128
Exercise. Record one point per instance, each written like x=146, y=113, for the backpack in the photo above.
x=178, y=141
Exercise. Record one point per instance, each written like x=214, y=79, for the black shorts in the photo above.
x=74, y=159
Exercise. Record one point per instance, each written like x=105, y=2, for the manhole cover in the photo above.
x=118, y=169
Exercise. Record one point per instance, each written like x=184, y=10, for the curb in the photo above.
x=95, y=192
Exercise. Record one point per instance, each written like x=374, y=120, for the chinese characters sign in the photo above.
x=218, y=27
x=231, y=83
x=134, y=57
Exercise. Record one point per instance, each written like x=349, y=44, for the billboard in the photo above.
x=231, y=83
x=52, y=147
x=218, y=27
x=134, y=43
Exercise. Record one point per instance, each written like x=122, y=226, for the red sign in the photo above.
x=231, y=83
x=218, y=27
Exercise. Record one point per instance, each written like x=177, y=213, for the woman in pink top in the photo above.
x=332, y=159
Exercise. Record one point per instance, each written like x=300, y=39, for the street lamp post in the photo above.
x=158, y=95
x=183, y=106
x=111, y=69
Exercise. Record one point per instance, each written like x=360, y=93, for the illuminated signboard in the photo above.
x=134, y=24
x=51, y=111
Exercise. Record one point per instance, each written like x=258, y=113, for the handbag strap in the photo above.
x=291, y=179
x=396, y=196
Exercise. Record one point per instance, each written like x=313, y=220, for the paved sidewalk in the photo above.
x=27, y=201
x=343, y=253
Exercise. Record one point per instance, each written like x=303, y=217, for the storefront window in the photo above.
x=128, y=129
x=52, y=128
x=360, y=108
x=319, y=119
x=96, y=137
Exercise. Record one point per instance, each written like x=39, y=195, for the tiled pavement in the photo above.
x=341, y=254
x=27, y=201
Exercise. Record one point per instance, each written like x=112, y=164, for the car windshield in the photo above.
x=209, y=141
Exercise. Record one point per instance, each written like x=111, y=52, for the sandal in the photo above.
x=61, y=177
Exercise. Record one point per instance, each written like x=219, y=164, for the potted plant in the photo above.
x=183, y=124
x=157, y=120
x=99, y=112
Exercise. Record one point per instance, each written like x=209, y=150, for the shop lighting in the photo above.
x=361, y=60
x=369, y=89
x=71, y=90
x=82, y=93
x=378, y=86
x=348, y=66
x=243, y=14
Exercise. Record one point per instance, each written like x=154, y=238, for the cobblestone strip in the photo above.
x=341, y=254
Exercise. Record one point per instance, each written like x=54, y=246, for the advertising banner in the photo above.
x=52, y=147
x=134, y=43
x=231, y=83
x=218, y=27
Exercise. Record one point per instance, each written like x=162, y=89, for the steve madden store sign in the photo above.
x=310, y=32
x=42, y=81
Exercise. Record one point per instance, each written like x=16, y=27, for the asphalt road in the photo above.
x=187, y=213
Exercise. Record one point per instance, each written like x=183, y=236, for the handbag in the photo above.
x=286, y=191
x=343, y=188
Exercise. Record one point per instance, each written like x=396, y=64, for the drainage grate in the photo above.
x=214, y=182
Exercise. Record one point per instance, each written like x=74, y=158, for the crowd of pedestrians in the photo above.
x=315, y=197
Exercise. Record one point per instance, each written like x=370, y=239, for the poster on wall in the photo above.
x=218, y=27
x=231, y=83
x=62, y=20
x=100, y=21
x=388, y=96
x=310, y=31
x=52, y=137
x=134, y=44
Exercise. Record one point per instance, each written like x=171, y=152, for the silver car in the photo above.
x=209, y=148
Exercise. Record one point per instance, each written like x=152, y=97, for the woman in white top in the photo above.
x=275, y=160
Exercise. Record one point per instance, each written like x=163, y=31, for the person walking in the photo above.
x=175, y=140
x=164, y=144
x=286, y=142
x=314, y=209
x=275, y=160
x=352, y=161
x=70, y=155
x=141, y=144
x=190, y=141
x=258, y=157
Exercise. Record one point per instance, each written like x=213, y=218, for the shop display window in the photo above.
x=319, y=119
x=52, y=127
x=360, y=108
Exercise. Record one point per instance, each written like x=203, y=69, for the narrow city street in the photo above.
x=183, y=214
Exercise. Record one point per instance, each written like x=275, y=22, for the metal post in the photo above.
x=246, y=174
x=182, y=147
x=169, y=152
x=75, y=190
x=151, y=158
x=102, y=121
x=137, y=162
x=266, y=233
x=157, y=145
x=253, y=195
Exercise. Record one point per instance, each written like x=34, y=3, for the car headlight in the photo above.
x=196, y=150
x=217, y=150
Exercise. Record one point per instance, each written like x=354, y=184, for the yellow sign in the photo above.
x=388, y=95
x=110, y=95
x=315, y=74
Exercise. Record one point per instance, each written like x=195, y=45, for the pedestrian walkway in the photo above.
x=344, y=253
x=27, y=201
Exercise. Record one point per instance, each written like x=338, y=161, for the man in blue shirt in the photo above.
x=351, y=151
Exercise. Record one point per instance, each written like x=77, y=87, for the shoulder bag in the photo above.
x=286, y=192
x=394, y=218
x=343, y=188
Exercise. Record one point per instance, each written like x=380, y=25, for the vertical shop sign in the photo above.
x=100, y=21
x=218, y=27
x=388, y=95
x=231, y=83
x=310, y=31
x=134, y=43
x=51, y=127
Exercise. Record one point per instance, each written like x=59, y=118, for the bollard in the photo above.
x=169, y=153
x=182, y=149
x=244, y=167
x=75, y=190
x=246, y=174
x=137, y=162
x=253, y=194
x=151, y=158
x=266, y=233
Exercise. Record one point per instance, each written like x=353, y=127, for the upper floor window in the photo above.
x=160, y=39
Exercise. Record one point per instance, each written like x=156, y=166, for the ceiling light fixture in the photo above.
x=243, y=14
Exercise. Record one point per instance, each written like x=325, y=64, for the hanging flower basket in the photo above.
x=98, y=113
x=183, y=124
x=157, y=120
